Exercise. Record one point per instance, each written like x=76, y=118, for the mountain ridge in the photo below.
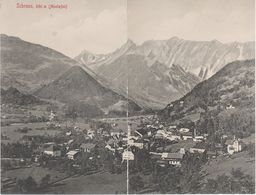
x=14, y=96
x=77, y=86
x=199, y=60
x=224, y=102
x=31, y=65
x=206, y=56
x=147, y=85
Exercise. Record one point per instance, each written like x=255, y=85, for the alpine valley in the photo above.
x=148, y=76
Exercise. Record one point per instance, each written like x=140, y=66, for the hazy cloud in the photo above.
x=98, y=26
x=101, y=26
x=224, y=20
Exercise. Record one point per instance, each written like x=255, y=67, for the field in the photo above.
x=224, y=164
x=250, y=139
x=122, y=122
x=100, y=183
x=36, y=172
x=14, y=136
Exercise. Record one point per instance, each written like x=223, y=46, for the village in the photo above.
x=106, y=147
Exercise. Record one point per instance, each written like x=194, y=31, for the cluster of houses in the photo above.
x=115, y=141
x=141, y=138
x=121, y=142
x=54, y=150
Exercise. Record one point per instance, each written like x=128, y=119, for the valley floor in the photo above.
x=99, y=183
x=224, y=164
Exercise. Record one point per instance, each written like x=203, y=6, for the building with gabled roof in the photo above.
x=172, y=158
x=127, y=155
x=233, y=146
x=53, y=150
x=72, y=154
x=196, y=150
x=87, y=147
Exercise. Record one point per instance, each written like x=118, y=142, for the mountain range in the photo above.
x=171, y=68
x=149, y=86
x=202, y=58
x=47, y=74
x=150, y=75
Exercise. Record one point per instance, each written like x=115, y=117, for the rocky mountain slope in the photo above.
x=94, y=61
x=203, y=58
x=27, y=66
x=168, y=69
x=77, y=86
x=151, y=87
x=228, y=97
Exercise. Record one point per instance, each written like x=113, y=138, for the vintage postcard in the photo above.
x=127, y=96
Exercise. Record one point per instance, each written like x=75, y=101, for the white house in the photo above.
x=68, y=133
x=198, y=138
x=52, y=150
x=110, y=148
x=196, y=150
x=87, y=147
x=233, y=146
x=182, y=151
x=161, y=126
x=173, y=137
x=52, y=116
x=72, y=154
x=172, y=127
x=90, y=133
x=114, y=124
x=187, y=135
x=136, y=144
x=70, y=141
x=183, y=130
x=160, y=134
x=127, y=155
x=115, y=133
x=133, y=137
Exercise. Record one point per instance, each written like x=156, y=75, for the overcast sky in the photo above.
x=101, y=26
x=224, y=20
x=95, y=25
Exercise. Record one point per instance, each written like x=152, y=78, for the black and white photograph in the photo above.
x=127, y=96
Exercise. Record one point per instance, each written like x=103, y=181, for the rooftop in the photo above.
x=172, y=155
x=52, y=148
x=72, y=152
x=87, y=145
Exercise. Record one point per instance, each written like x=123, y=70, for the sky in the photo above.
x=202, y=20
x=101, y=26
